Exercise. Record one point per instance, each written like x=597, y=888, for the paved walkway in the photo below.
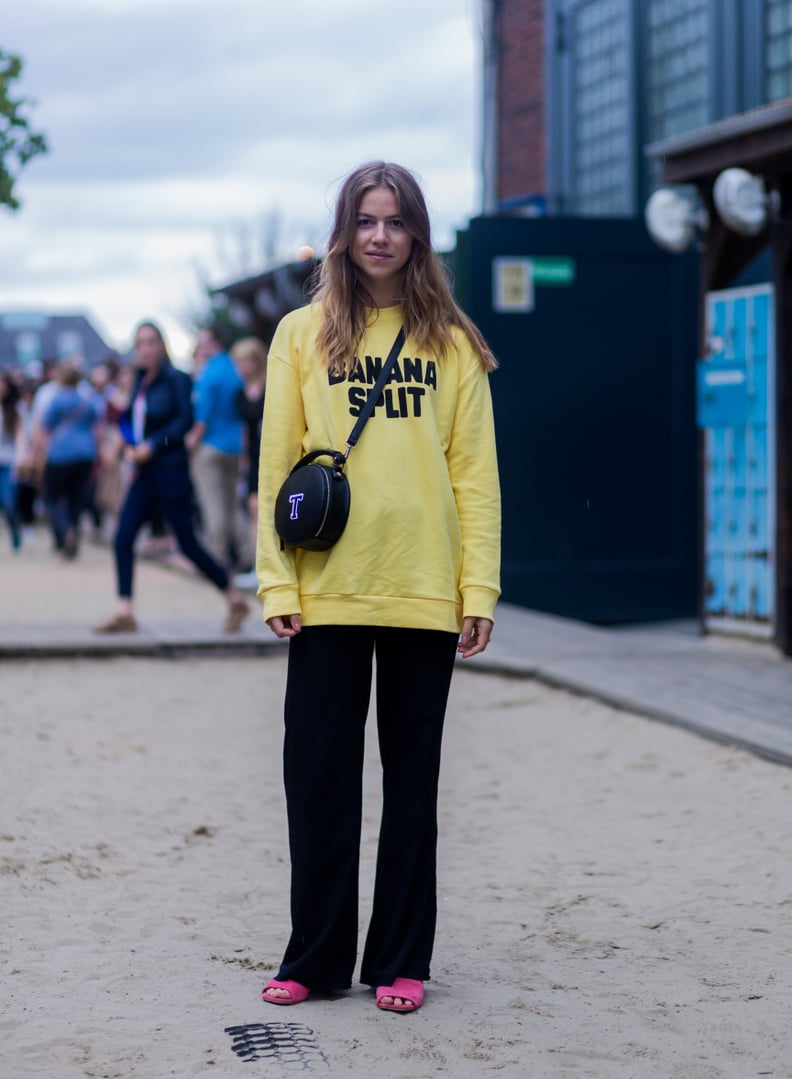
x=731, y=690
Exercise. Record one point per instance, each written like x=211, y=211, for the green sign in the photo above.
x=553, y=271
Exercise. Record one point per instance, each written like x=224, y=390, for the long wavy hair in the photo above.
x=428, y=306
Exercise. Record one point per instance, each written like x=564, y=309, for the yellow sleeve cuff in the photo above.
x=479, y=603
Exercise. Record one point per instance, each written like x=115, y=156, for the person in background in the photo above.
x=47, y=387
x=159, y=543
x=100, y=380
x=28, y=482
x=102, y=376
x=154, y=426
x=412, y=581
x=45, y=391
x=250, y=357
x=215, y=443
x=36, y=449
x=69, y=426
x=200, y=354
x=11, y=449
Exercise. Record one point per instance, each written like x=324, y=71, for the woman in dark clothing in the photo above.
x=154, y=426
x=10, y=454
x=250, y=358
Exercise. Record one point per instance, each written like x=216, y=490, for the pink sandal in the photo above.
x=407, y=989
x=297, y=993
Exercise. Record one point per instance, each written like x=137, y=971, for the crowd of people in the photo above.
x=134, y=447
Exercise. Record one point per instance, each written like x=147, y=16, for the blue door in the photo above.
x=735, y=409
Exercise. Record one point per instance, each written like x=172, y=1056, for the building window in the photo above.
x=778, y=49
x=677, y=86
x=600, y=109
x=70, y=342
x=28, y=348
x=677, y=78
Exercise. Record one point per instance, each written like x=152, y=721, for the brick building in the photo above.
x=515, y=105
x=590, y=106
x=575, y=89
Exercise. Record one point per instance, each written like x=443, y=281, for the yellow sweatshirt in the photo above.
x=421, y=547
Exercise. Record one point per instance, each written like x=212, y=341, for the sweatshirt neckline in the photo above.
x=379, y=315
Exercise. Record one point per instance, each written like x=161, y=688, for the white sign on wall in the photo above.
x=512, y=284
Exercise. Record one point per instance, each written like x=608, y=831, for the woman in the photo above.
x=11, y=447
x=154, y=425
x=69, y=425
x=250, y=358
x=417, y=563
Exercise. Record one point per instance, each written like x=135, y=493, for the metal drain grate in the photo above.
x=290, y=1046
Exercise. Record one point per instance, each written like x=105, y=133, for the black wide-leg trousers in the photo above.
x=327, y=700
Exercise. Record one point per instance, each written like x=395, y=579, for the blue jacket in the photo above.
x=169, y=415
x=216, y=390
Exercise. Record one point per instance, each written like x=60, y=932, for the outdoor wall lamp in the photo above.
x=742, y=201
x=673, y=216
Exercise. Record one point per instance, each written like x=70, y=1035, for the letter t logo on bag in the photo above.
x=294, y=502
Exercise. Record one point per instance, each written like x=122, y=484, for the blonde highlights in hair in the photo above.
x=428, y=306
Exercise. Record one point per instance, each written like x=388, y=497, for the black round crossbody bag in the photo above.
x=312, y=505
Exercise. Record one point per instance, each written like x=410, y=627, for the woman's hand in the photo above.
x=287, y=625
x=476, y=633
x=138, y=455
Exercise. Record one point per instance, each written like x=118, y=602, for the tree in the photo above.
x=18, y=143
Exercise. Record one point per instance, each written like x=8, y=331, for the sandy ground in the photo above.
x=615, y=895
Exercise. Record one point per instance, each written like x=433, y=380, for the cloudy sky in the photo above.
x=192, y=140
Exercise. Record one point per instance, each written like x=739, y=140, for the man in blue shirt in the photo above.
x=216, y=444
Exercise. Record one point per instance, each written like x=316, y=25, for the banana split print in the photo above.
x=412, y=375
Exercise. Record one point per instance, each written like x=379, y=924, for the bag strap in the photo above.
x=72, y=414
x=373, y=397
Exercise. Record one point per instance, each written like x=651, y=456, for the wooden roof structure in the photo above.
x=267, y=297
